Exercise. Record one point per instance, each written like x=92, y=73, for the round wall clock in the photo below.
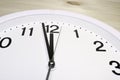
x=57, y=45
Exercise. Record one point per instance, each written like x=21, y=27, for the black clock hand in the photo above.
x=46, y=39
x=51, y=63
x=50, y=49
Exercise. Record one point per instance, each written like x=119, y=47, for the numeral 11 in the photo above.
x=24, y=30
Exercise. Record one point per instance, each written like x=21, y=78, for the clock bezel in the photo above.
x=65, y=13
x=108, y=29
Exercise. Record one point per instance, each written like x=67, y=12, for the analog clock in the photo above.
x=57, y=45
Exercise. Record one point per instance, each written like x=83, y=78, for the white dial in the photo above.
x=84, y=48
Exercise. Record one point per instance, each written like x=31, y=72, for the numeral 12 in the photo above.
x=51, y=28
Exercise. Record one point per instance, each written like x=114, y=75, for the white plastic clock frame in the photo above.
x=101, y=25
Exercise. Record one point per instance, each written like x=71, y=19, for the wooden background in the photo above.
x=107, y=11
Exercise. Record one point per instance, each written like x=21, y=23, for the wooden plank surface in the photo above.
x=107, y=11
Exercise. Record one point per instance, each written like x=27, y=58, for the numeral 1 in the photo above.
x=76, y=33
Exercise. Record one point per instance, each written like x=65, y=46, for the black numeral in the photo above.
x=31, y=31
x=116, y=67
x=51, y=28
x=76, y=33
x=99, y=48
x=55, y=28
x=24, y=30
x=8, y=39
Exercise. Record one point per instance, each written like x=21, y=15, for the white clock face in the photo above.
x=83, y=48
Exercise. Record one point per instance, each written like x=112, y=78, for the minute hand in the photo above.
x=46, y=40
x=50, y=49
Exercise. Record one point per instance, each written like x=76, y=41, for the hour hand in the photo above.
x=50, y=47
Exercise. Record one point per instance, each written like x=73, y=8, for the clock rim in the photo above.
x=101, y=24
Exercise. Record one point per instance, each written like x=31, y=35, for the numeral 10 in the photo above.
x=4, y=44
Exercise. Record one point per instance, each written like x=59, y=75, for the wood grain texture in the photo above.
x=107, y=11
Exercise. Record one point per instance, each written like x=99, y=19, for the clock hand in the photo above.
x=58, y=39
x=51, y=63
x=51, y=66
x=48, y=74
x=50, y=49
x=46, y=39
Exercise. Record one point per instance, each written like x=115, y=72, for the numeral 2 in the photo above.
x=99, y=48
